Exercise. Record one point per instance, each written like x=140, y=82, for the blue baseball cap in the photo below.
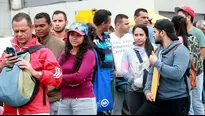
x=79, y=27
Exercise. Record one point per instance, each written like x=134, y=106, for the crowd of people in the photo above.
x=67, y=64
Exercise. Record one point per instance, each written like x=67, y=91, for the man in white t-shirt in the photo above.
x=120, y=40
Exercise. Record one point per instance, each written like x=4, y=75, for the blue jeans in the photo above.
x=196, y=106
x=54, y=108
x=77, y=106
x=38, y=114
x=204, y=91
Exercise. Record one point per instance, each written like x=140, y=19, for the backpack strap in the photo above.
x=44, y=94
x=34, y=48
x=187, y=89
x=175, y=47
x=156, y=49
x=31, y=49
x=141, y=61
x=96, y=64
x=138, y=56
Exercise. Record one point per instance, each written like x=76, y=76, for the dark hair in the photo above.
x=43, y=15
x=119, y=17
x=150, y=21
x=180, y=28
x=84, y=47
x=91, y=31
x=148, y=46
x=194, y=24
x=187, y=14
x=101, y=16
x=59, y=12
x=20, y=16
x=111, y=28
x=137, y=11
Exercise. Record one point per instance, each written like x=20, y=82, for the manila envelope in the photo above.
x=155, y=82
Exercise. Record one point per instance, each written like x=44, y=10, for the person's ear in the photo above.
x=135, y=19
x=50, y=24
x=117, y=24
x=188, y=18
x=32, y=27
x=161, y=33
x=66, y=23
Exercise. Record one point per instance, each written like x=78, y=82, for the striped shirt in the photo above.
x=106, y=45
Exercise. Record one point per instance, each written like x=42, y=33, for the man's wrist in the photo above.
x=156, y=63
x=36, y=74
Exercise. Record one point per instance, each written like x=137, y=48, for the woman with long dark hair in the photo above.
x=77, y=62
x=180, y=29
x=135, y=66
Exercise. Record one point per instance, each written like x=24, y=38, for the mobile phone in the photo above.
x=11, y=50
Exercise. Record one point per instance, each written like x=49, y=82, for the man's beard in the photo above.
x=159, y=41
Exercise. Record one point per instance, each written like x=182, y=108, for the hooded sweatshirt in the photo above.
x=172, y=66
x=131, y=67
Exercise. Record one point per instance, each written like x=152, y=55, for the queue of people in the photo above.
x=68, y=64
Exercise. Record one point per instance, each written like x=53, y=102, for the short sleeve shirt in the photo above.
x=199, y=35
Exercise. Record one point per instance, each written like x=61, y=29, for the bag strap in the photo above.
x=31, y=49
x=156, y=49
x=175, y=47
x=44, y=94
x=96, y=66
x=138, y=56
x=187, y=89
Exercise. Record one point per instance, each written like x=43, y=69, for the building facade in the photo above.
x=166, y=8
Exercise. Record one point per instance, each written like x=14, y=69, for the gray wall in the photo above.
x=164, y=7
x=171, y=14
x=167, y=8
x=5, y=17
x=71, y=8
x=34, y=3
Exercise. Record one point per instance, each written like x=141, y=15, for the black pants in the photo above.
x=165, y=107
x=125, y=110
x=135, y=100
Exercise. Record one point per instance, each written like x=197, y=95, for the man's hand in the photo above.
x=8, y=59
x=149, y=97
x=23, y=64
x=153, y=58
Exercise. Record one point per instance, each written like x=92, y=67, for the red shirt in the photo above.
x=65, y=36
